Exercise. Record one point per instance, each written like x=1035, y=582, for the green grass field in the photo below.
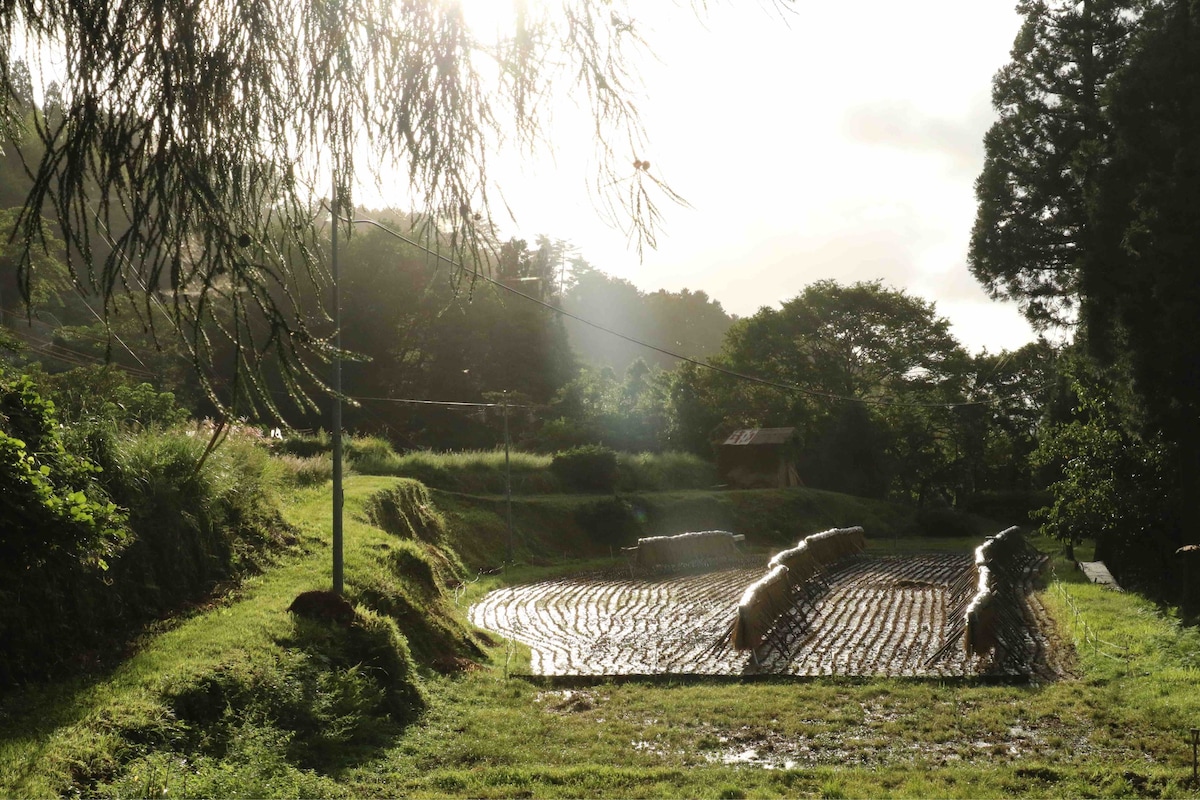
x=295, y=718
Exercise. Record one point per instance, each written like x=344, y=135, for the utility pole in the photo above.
x=507, y=483
x=337, y=398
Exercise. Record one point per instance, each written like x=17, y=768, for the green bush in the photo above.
x=591, y=468
x=664, y=472
x=612, y=522
x=190, y=527
x=53, y=511
x=945, y=523
x=106, y=395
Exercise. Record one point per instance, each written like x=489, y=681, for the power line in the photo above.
x=787, y=387
x=80, y=359
x=445, y=403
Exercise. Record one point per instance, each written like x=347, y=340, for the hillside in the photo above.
x=243, y=698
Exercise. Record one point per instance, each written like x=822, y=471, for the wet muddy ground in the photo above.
x=877, y=616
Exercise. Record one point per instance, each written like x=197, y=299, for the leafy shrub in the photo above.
x=612, y=522
x=53, y=509
x=591, y=468
x=106, y=395
x=190, y=527
x=945, y=523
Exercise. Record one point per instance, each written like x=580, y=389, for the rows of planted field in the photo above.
x=873, y=616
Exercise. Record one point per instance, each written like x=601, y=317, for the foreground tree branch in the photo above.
x=184, y=153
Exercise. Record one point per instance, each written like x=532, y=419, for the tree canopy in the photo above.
x=1089, y=201
x=1043, y=154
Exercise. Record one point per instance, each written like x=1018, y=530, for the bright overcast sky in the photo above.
x=840, y=143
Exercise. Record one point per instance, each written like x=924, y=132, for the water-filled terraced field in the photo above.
x=874, y=616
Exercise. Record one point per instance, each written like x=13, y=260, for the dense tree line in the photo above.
x=1088, y=210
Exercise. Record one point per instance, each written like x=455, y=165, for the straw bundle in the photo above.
x=700, y=547
x=768, y=599
x=763, y=602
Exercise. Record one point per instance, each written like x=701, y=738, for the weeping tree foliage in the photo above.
x=185, y=149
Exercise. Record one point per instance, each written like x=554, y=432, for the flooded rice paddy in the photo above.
x=875, y=616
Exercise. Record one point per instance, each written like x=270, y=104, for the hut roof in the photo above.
x=761, y=436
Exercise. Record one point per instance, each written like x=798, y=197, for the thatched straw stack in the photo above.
x=700, y=547
x=833, y=545
x=982, y=635
x=765, y=601
x=800, y=562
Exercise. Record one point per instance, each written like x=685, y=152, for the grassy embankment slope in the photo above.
x=243, y=699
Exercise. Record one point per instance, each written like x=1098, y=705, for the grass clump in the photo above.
x=405, y=510
x=331, y=689
x=303, y=445
x=371, y=455
x=303, y=472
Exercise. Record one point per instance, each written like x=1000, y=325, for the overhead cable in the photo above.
x=786, y=387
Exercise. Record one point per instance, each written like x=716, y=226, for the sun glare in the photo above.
x=489, y=18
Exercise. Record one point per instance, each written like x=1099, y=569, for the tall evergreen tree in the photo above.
x=1042, y=155
x=1143, y=285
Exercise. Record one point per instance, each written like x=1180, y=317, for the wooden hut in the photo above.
x=759, y=458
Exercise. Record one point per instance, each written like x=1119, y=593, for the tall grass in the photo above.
x=470, y=472
x=485, y=471
x=193, y=526
x=303, y=472
x=663, y=472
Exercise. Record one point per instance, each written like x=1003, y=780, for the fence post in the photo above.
x=1195, y=745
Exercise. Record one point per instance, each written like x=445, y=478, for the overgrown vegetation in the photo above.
x=584, y=469
x=249, y=698
x=106, y=527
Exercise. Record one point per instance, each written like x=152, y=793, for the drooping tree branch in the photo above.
x=186, y=150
